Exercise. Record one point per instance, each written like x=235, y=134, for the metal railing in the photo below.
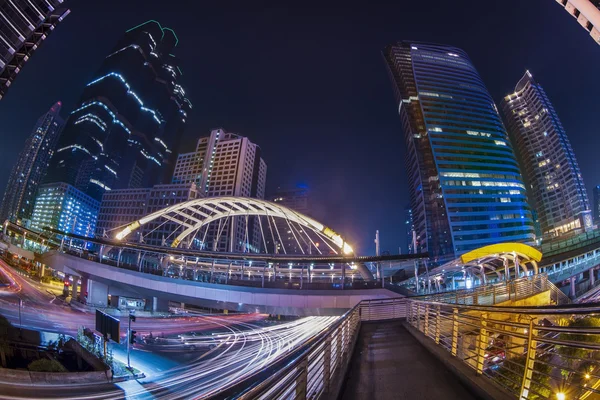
x=533, y=353
x=317, y=369
x=513, y=290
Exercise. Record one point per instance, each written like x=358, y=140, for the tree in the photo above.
x=46, y=365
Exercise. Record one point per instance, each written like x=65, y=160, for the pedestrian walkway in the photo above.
x=389, y=363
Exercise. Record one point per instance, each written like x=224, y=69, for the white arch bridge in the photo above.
x=249, y=226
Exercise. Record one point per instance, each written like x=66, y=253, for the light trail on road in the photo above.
x=243, y=348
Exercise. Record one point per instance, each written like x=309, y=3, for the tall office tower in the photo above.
x=24, y=25
x=597, y=204
x=466, y=190
x=129, y=119
x=31, y=166
x=410, y=229
x=547, y=160
x=226, y=164
x=587, y=13
x=120, y=207
x=296, y=198
x=63, y=207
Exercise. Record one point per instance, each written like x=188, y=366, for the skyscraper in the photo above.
x=226, y=164
x=597, y=204
x=24, y=25
x=410, y=229
x=31, y=166
x=587, y=13
x=547, y=160
x=129, y=120
x=466, y=190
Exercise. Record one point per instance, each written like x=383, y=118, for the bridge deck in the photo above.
x=389, y=363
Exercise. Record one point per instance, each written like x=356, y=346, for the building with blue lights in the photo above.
x=466, y=189
x=547, y=160
x=31, y=166
x=127, y=125
x=63, y=207
x=24, y=25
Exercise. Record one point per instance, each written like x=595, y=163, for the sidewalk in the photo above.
x=389, y=363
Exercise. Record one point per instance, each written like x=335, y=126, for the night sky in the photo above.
x=307, y=82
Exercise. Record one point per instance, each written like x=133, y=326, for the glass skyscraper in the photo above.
x=127, y=126
x=31, y=167
x=547, y=160
x=466, y=190
x=24, y=25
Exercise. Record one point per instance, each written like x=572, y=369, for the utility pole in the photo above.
x=20, y=321
x=130, y=338
x=379, y=269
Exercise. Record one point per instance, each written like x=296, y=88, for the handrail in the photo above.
x=316, y=368
x=500, y=292
x=532, y=352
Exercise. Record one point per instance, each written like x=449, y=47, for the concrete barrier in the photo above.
x=22, y=377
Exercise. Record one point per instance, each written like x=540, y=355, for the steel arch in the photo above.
x=194, y=214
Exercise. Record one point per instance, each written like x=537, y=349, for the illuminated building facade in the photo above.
x=24, y=25
x=548, y=162
x=31, y=167
x=129, y=119
x=122, y=206
x=587, y=14
x=63, y=207
x=466, y=189
x=597, y=204
x=226, y=164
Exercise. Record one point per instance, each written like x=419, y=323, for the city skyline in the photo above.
x=335, y=189
x=466, y=189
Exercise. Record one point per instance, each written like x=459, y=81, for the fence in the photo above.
x=516, y=289
x=534, y=353
x=316, y=370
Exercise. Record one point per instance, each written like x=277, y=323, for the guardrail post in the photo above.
x=482, y=341
x=454, y=331
x=529, y=363
x=327, y=364
x=437, y=325
x=301, y=380
x=426, y=327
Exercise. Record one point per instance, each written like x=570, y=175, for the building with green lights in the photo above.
x=126, y=128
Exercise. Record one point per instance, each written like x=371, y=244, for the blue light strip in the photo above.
x=129, y=92
x=101, y=104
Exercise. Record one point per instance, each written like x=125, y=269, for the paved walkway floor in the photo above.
x=389, y=363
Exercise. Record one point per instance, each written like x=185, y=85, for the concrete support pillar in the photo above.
x=42, y=270
x=592, y=277
x=97, y=293
x=573, y=291
x=75, y=287
x=84, y=289
x=158, y=305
